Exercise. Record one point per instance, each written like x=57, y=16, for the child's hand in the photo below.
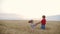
x=36, y=24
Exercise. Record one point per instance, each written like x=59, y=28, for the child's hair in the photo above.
x=43, y=16
x=30, y=21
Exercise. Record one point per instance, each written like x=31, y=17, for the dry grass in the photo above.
x=22, y=27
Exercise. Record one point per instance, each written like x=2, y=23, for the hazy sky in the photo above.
x=31, y=8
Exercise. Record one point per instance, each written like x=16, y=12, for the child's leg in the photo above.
x=32, y=28
x=43, y=27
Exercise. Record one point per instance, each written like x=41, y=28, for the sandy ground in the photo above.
x=23, y=27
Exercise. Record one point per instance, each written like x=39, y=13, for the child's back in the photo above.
x=43, y=22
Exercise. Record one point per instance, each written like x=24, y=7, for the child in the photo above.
x=43, y=22
x=32, y=25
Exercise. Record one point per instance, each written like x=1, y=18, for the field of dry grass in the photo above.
x=23, y=27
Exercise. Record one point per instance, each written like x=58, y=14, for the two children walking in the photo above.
x=43, y=22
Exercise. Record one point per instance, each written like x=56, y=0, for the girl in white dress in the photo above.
x=32, y=25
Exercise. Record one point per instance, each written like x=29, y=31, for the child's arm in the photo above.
x=37, y=23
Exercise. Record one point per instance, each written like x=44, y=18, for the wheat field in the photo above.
x=23, y=27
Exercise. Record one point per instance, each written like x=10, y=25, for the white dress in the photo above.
x=32, y=25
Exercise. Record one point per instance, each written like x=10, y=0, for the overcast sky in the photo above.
x=31, y=8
